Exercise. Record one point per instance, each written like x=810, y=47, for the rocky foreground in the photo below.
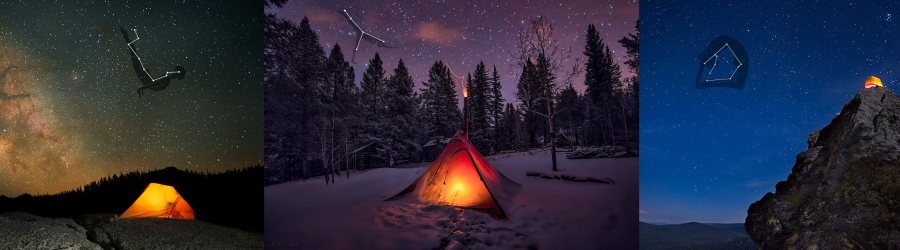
x=102, y=231
x=844, y=191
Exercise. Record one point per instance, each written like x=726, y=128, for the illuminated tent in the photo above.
x=873, y=82
x=461, y=177
x=161, y=201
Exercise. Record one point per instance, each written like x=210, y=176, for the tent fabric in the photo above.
x=873, y=82
x=160, y=201
x=461, y=177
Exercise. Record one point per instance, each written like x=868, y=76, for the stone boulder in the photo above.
x=25, y=231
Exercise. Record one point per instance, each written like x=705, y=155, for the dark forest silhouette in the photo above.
x=231, y=198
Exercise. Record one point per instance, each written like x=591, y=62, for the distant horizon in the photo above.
x=142, y=171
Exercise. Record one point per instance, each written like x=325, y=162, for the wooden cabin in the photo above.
x=369, y=156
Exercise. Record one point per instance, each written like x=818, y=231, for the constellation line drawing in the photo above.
x=738, y=76
x=147, y=81
x=363, y=35
x=715, y=62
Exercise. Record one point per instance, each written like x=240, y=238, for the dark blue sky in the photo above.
x=707, y=155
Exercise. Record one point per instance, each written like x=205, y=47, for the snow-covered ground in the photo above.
x=546, y=214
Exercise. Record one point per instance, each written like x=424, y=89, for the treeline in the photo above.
x=317, y=119
x=231, y=198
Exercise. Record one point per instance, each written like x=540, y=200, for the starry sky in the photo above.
x=708, y=154
x=460, y=33
x=84, y=120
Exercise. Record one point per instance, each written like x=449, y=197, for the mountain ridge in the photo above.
x=694, y=235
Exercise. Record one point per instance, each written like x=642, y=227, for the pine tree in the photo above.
x=602, y=75
x=631, y=42
x=505, y=128
x=334, y=89
x=495, y=110
x=543, y=76
x=571, y=114
x=479, y=112
x=441, y=114
x=529, y=92
x=400, y=112
x=372, y=87
x=294, y=71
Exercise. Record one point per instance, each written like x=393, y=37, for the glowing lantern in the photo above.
x=873, y=82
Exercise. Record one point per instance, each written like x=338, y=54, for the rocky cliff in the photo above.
x=844, y=190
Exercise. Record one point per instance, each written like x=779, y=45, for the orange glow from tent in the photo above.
x=161, y=201
x=463, y=187
x=461, y=177
x=873, y=82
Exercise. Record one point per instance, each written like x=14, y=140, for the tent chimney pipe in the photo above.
x=466, y=111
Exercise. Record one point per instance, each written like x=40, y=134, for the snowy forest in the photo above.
x=319, y=121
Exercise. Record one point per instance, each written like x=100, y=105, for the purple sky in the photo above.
x=461, y=33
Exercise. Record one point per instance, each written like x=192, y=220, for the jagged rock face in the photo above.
x=844, y=191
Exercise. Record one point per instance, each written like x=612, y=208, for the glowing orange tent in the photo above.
x=873, y=82
x=461, y=177
x=161, y=201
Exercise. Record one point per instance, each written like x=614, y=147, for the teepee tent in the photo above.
x=461, y=177
x=873, y=82
x=161, y=201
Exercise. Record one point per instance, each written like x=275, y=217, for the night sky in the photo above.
x=460, y=33
x=84, y=119
x=707, y=155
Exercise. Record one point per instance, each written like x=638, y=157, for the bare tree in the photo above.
x=538, y=44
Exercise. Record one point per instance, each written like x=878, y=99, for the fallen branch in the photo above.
x=569, y=177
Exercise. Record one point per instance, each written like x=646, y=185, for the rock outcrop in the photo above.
x=20, y=230
x=844, y=190
x=25, y=231
x=156, y=233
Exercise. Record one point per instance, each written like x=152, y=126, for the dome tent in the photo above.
x=873, y=82
x=161, y=201
x=461, y=177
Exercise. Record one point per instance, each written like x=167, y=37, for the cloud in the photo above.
x=754, y=183
x=433, y=32
x=318, y=17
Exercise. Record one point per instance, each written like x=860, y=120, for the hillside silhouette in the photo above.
x=232, y=198
x=697, y=236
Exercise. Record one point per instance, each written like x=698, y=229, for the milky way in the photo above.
x=83, y=119
x=33, y=147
